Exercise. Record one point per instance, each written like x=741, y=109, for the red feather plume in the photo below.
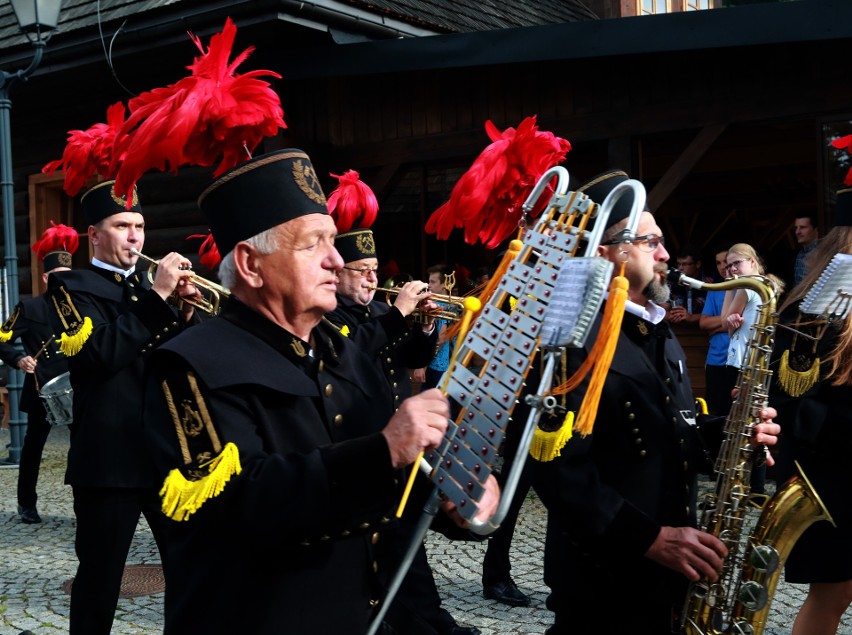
x=214, y=114
x=56, y=238
x=209, y=252
x=90, y=152
x=352, y=203
x=845, y=143
x=487, y=200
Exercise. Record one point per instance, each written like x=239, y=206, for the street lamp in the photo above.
x=37, y=19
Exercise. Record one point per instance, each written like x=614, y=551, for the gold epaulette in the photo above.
x=6, y=334
x=797, y=382
x=207, y=466
x=76, y=329
x=547, y=445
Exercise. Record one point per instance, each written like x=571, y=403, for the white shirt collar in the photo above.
x=114, y=269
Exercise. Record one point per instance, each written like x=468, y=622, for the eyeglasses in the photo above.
x=735, y=264
x=365, y=273
x=647, y=243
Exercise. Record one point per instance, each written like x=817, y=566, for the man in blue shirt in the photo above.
x=718, y=391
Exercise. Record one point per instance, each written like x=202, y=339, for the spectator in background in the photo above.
x=739, y=313
x=718, y=391
x=807, y=236
x=686, y=303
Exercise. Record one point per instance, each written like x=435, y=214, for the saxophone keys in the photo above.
x=752, y=595
x=764, y=558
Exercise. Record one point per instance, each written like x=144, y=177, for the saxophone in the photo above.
x=738, y=602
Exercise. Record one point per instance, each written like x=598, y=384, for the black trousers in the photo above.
x=496, y=566
x=718, y=390
x=106, y=523
x=37, y=430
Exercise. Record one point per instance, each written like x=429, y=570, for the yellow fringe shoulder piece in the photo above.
x=182, y=497
x=603, y=351
x=345, y=330
x=6, y=332
x=546, y=446
x=71, y=342
x=796, y=382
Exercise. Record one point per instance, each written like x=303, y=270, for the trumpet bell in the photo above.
x=451, y=310
x=210, y=297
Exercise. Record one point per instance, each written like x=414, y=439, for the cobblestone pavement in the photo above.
x=36, y=559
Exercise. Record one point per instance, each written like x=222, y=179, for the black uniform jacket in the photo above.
x=107, y=375
x=287, y=546
x=34, y=328
x=636, y=472
x=816, y=427
x=384, y=334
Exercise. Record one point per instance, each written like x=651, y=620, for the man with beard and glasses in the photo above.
x=621, y=501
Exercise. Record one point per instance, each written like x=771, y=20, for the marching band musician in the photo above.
x=396, y=345
x=41, y=360
x=274, y=434
x=373, y=325
x=621, y=544
x=812, y=361
x=111, y=319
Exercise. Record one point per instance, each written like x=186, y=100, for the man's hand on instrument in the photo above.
x=27, y=364
x=696, y=554
x=417, y=426
x=487, y=505
x=410, y=295
x=171, y=269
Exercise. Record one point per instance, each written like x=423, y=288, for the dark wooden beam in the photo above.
x=684, y=164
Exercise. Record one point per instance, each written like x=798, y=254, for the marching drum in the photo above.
x=58, y=398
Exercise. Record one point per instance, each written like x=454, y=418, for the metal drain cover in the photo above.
x=138, y=580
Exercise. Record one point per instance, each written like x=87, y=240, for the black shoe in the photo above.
x=458, y=629
x=506, y=592
x=29, y=515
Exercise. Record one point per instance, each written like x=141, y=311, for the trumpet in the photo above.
x=451, y=312
x=211, y=294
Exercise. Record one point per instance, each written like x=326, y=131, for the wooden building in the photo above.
x=725, y=114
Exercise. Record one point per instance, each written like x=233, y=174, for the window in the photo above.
x=695, y=5
x=650, y=7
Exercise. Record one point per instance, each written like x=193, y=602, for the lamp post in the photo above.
x=36, y=19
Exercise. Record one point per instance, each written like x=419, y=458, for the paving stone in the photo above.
x=36, y=559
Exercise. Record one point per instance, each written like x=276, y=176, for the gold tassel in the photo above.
x=547, y=445
x=182, y=498
x=71, y=342
x=5, y=336
x=603, y=351
x=345, y=330
x=796, y=382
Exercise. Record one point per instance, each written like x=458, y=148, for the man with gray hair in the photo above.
x=274, y=434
